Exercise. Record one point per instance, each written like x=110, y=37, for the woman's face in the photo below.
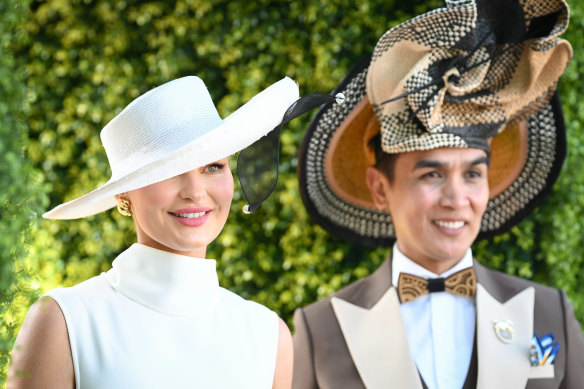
x=185, y=213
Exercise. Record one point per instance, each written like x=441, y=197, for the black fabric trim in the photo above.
x=436, y=285
x=258, y=164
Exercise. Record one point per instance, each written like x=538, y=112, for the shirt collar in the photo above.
x=402, y=264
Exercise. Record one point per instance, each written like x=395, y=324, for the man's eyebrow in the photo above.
x=426, y=163
x=480, y=160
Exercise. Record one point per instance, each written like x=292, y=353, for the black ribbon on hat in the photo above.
x=258, y=164
x=462, y=64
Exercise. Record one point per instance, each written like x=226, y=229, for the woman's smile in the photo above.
x=192, y=217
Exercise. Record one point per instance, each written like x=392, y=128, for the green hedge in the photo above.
x=84, y=60
x=21, y=196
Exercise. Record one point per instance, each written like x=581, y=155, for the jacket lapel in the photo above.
x=503, y=360
x=375, y=334
x=371, y=323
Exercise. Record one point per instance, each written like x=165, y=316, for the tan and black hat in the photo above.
x=477, y=74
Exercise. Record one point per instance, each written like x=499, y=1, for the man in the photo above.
x=461, y=139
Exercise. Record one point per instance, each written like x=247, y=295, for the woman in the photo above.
x=158, y=318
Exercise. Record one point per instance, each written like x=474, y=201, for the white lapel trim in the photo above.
x=377, y=341
x=502, y=365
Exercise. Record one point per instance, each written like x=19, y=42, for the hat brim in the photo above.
x=526, y=160
x=242, y=128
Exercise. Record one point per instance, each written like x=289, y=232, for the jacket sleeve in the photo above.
x=303, y=376
x=574, y=377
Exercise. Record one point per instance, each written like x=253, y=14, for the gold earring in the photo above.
x=124, y=207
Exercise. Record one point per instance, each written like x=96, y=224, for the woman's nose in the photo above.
x=192, y=186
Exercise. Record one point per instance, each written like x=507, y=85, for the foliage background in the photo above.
x=68, y=66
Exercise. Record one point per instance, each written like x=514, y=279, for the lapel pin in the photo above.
x=505, y=331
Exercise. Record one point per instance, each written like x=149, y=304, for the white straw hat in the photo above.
x=173, y=129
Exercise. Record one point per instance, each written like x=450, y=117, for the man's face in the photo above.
x=436, y=200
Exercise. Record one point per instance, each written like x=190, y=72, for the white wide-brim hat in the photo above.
x=171, y=130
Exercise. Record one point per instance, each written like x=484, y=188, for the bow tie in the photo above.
x=410, y=287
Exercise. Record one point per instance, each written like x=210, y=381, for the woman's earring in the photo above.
x=125, y=207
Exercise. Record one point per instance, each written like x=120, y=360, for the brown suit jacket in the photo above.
x=355, y=338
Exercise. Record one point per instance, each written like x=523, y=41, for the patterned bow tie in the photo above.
x=410, y=287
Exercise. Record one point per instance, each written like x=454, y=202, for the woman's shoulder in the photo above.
x=43, y=336
x=233, y=301
x=87, y=295
x=248, y=314
x=93, y=285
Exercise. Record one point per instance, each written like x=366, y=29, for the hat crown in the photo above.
x=457, y=76
x=157, y=124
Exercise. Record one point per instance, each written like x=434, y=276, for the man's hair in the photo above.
x=384, y=162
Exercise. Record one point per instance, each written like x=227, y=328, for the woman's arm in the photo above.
x=284, y=358
x=41, y=357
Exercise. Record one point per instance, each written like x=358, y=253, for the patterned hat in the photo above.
x=477, y=74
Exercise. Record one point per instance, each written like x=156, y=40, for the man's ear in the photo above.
x=378, y=185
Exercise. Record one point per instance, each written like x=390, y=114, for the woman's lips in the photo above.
x=191, y=217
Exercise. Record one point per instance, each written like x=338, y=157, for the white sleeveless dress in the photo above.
x=161, y=320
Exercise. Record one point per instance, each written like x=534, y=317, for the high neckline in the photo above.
x=169, y=283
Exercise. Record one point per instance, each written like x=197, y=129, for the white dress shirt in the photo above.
x=440, y=326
